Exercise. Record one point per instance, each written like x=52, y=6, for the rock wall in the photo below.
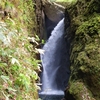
x=46, y=10
x=85, y=54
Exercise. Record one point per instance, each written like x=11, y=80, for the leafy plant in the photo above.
x=18, y=63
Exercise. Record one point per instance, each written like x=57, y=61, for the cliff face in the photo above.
x=85, y=50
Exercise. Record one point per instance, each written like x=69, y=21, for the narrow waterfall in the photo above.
x=55, y=62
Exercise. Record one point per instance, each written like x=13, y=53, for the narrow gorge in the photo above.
x=49, y=49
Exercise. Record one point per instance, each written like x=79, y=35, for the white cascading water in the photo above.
x=55, y=61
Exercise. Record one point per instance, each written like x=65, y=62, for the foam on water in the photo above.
x=54, y=92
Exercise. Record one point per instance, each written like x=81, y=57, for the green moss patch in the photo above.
x=85, y=54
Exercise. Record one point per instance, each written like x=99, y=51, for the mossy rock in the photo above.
x=85, y=53
x=80, y=91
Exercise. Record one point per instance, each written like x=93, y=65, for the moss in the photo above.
x=85, y=54
x=80, y=91
x=74, y=86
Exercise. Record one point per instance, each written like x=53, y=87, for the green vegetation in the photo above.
x=63, y=0
x=85, y=55
x=18, y=64
x=80, y=91
x=86, y=51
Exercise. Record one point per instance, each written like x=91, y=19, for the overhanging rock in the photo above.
x=53, y=10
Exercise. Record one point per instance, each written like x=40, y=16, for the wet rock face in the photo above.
x=53, y=11
x=85, y=54
x=50, y=25
x=47, y=14
x=53, y=14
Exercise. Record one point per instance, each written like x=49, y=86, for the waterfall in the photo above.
x=55, y=62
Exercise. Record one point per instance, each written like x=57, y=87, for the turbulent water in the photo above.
x=55, y=62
